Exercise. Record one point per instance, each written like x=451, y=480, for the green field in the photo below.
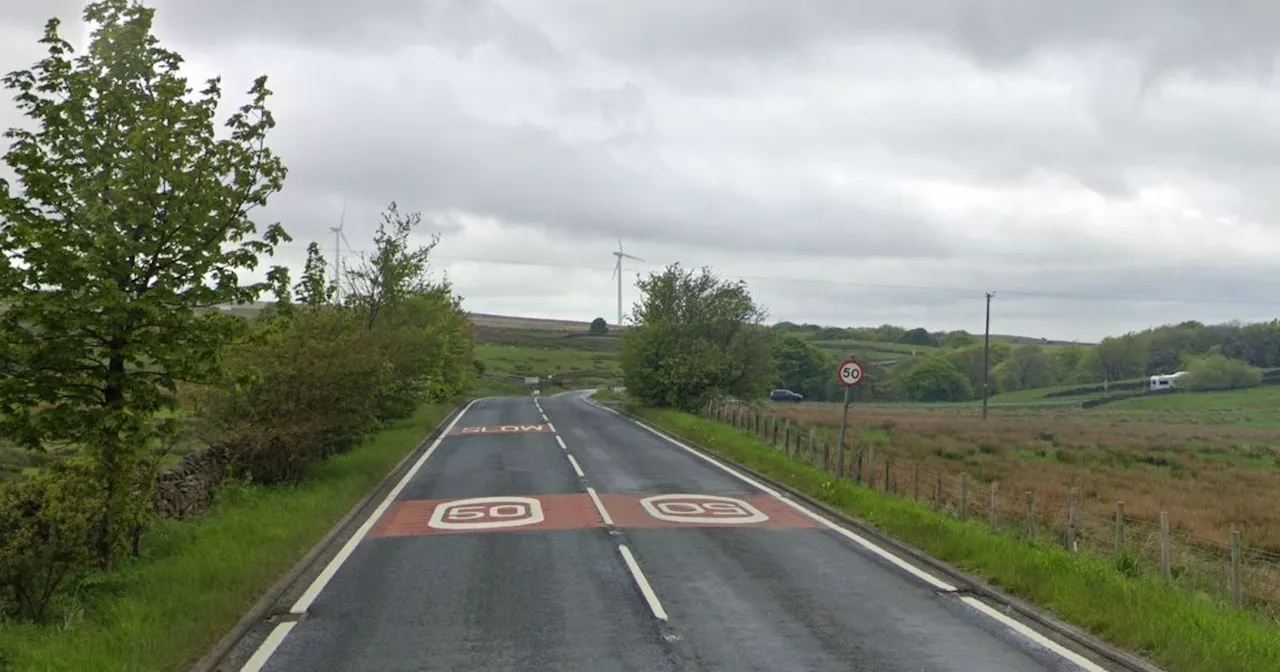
x=561, y=359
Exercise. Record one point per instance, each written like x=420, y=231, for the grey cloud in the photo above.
x=1203, y=37
x=524, y=174
x=369, y=26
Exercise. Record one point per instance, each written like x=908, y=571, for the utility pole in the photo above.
x=986, y=359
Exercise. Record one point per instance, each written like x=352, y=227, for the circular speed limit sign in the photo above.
x=850, y=373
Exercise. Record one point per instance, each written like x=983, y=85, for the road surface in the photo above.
x=552, y=534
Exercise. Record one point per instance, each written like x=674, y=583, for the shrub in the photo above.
x=1217, y=372
x=306, y=386
x=49, y=527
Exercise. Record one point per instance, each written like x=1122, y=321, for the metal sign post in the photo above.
x=850, y=375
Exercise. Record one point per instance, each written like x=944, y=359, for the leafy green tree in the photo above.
x=598, y=327
x=395, y=270
x=918, y=336
x=803, y=367
x=1117, y=358
x=1066, y=363
x=1217, y=372
x=968, y=360
x=133, y=214
x=958, y=339
x=934, y=379
x=313, y=289
x=1028, y=367
x=696, y=337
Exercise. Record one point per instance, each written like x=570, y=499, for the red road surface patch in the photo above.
x=483, y=515
x=693, y=510
x=502, y=429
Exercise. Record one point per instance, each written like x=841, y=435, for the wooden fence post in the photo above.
x=826, y=452
x=1031, y=515
x=995, y=506
x=858, y=467
x=786, y=439
x=1120, y=529
x=1166, y=548
x=775, y=433
x=1237, y=583
x=937, y=491
x=888, y=476
x=1073, y=513
x=915, y=483
x=964, y=496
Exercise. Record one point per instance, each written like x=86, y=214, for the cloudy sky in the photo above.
x=1102, y=166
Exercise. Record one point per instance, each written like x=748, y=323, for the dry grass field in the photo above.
x=1211, y=461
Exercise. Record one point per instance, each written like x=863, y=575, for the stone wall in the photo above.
x=188, y=490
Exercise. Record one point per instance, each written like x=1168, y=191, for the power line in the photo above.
x=872, y=285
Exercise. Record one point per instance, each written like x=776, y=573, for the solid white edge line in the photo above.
x=852, y=536
x=604, y=513
x=561, y=442
x=577, y=469
x=313, y=591
x=1022, y=629
x=645, y=589
x=1011, y=623
x=268, y=647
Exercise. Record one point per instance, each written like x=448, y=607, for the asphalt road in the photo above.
x=599, y=545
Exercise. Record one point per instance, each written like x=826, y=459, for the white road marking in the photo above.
x=268, y=647
x=604, y=513
x=576, y=468
x=545, y=418
x=551, y=426
x=1022, y=629
x=325, y=576
x=486, y=513
x=856, y=538
x=1011, y=623
x=645, y=589
x=702, y=509
x=561, y=442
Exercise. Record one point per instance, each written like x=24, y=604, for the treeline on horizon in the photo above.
x=948, y=366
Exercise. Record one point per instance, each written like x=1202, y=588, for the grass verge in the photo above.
x=195, y=579
x=1129, y=608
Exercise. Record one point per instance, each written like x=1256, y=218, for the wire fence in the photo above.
x=1224, y=569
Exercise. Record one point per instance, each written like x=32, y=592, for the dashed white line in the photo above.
x=604, y=513
x=268, y=647
x=576, y=468
x=545, y=418
x=645, y=589
x=561, y=442
x=1022, y=629
x=551, y=426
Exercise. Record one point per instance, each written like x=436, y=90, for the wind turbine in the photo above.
x=617, y=270
x=338, y=238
